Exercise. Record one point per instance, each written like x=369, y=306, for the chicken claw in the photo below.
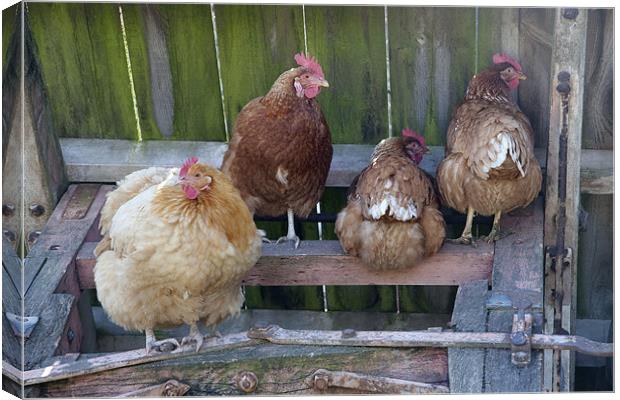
x=194, y=336
x=290, y=235
x=160, y=346
x=295, y=240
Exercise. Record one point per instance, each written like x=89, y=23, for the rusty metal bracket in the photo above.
x=323, y=379
x=521, y=339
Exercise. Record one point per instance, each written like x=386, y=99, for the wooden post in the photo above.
x=562, y=191
x=34, y=171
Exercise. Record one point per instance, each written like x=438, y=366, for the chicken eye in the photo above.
x=197, y=175
x=509, y=70
x=307, y=76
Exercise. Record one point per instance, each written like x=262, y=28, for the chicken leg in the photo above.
x=194, y=336
x=159, y=346
x=290, y=236
x=466, y=237
x=496, y=233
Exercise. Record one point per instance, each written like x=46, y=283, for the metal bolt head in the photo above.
x=570, y=13
x=518, y=339
x=36, y=210
x=563, y=87
x=8, y=209
x=564, y=76
x=70, y=335
x=247, y=381
x=321, y=382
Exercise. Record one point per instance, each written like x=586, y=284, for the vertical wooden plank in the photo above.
x=466, y=366
x=349, y=42
x=598, y=123
x=569, y=57
x=257, y=44
x=430, y=66
x=84, y=68
x=518, y=273
x=535, y=43
x=172, y=51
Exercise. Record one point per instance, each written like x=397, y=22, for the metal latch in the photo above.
x=521, y=339
x=323, y=379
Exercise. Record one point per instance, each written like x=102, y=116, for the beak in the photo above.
x=318, y=81
x=521, y=76
x=427, y=151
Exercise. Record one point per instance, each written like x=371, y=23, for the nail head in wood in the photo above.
x=321, y=381
x=36, y=210
x=8, y=209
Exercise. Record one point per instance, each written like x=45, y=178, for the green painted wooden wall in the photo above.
x=176, y=86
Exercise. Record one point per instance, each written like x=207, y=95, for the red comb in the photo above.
x=413, y=134
x=504, y=58
x=188, y=163
x=310, y=63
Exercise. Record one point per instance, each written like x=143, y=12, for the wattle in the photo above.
x=190, y=192
x=312, y=91
x=513, y=84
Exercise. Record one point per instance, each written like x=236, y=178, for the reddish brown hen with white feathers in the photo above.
x=392, y=220
x=490, y=166
x=281, y=150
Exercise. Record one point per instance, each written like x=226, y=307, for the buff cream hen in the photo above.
x=176, y=245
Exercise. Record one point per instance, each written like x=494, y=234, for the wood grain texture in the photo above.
x=323, y=263
x=535, y=43
x=257, y=44
x=83, y=65
x=518, y=273
x=10, y=22
x=53, y=288
x=349, y=42
x=11, y=302
x=598, y=123
x=569, y=52
x=430, y=66
x=466, y=366
x=279, y=369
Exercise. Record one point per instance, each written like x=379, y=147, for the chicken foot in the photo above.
x=194, y=336
x=160, y=346
x=496, y=233
x=290, y=236
x=466, y=236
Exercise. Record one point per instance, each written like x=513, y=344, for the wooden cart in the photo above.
x=512, y=328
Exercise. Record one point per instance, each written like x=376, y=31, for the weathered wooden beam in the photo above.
x=563, y=187
x=51, y=287
x=517, y=274
x=107, y=160
x=324, y=263
x=466, y=366
x=38, y=186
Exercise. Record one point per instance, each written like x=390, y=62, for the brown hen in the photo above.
x=490, y=166
x=281, y=149
x=392, y=220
